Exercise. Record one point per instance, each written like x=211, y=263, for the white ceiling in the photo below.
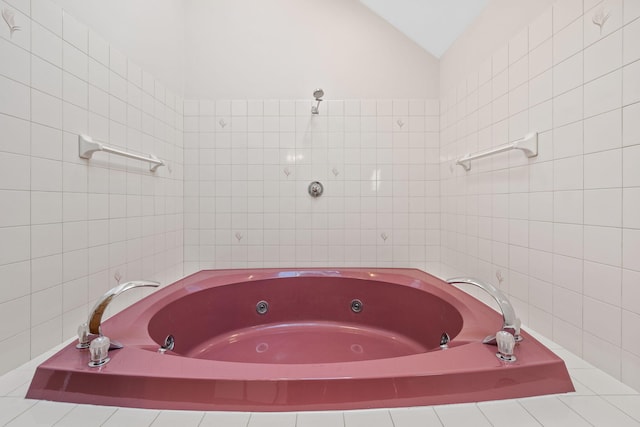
x=433, y=24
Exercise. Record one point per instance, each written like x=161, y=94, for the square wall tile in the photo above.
x=46, y=109
x=98, y=48
x=46, y=175
x=603, y=244
x=16, y=135
x=568, y=272
x=46, y=44
x=21, y=38
x=15, y=98
x=46, y=207
x=541, y=235
x=17, y=206
x=631, y=207
x=568, y=140
x=16, y=62
x=602, y=319
x=15, y=355
x=14, y=172
x=603, y=282
x=567, y=75
x=46, y=77
x=631, y=83
x=631, y=125
x=567, y=306
x=603, y=132
x=568, y=207
x=23, y=6
x=15, y=244
x=613, y=9
x=500, y=60
x=519, y=45
x=541, y=28
x=46, y=240
x=568, y=173
x=630, y=249
x=75, y=90
x=568, y=41
x=565, y=12
x=631, y=10
x=568, y=240
x=19, y=275
x=603, y=56
x=603, y=94
x=76, y=120
x=630, y=290
x=540, y=268
x=630, y=34
x=603, y=169
x=603, y=207
x=98, y=75
x=75, y=32
x=117, y=62
x=541, y=88
x=541, y=58
x=568, y=107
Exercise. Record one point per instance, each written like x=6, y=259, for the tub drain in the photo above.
x=262, y=307
x=356, y=306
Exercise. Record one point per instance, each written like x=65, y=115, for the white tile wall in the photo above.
x=562, y=228
x=248, y=164
x=67, y=225
x=580, y=257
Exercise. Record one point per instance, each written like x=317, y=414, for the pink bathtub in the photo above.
x=325, y=339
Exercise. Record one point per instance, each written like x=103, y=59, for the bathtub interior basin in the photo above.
x=313, y=339
x=306, y=319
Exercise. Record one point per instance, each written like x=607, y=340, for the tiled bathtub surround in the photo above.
x=561, y=229
x=248, y=165
x=67, y=225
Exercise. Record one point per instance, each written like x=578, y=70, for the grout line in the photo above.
x=620, y=408
x=574, y=411
x=21, y=413
x=518, y=402
x=438, y=415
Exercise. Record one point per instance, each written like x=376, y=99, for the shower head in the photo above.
x=317, y=94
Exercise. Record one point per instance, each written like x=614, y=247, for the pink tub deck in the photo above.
x=310, y=351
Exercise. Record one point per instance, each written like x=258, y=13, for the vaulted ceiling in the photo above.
x=432, y=24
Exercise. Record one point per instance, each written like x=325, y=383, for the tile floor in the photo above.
x=599, y=400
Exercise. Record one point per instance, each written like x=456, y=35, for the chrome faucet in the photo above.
x=95, y=316
x=510, y=323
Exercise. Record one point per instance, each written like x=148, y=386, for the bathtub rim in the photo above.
x=478, y=360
